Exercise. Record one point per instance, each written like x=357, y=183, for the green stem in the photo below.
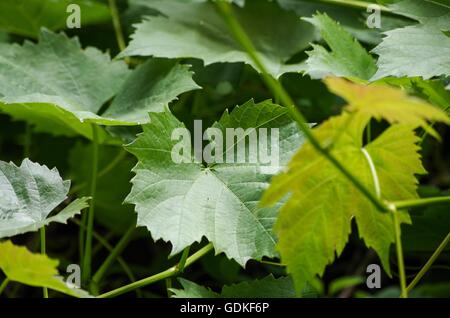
x=118, y=249
x=407, y=204
x=4, y=284
x=108, y=246
x=87, y=260
x=81, y=236
x=170, y=272
x=272, y=263
x=120, y=156
x=399, y=251
x=286, y=100
x=117, y=25
x=181, y=265
x=428, y=264
x=43, y=251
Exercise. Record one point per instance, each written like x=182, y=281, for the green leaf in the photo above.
x=22, y=266
x=423, y=45
x=384, y=102
x=347, y=57
x=60, y=88
x=268, y=287
x=56, y=85
x=150, y=88
x=182, y=202
x=314, y=224
x=28, y=194
x=195, y=29
x=26, y=17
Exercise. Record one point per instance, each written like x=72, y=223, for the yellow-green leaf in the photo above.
x=20, y=265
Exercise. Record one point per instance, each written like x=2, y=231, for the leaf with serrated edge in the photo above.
x=347, y=57
x=196, y=30
x=28, y=194
x=181, y=203
x=388, y=103
x=60, y=88
x=314, y=224
x=22, y=266
x=416, y=50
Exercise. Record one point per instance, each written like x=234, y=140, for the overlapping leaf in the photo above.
x=347, y=57
x=28, y=194
x=60, y=88
x=20, y=265
x=418, y=50
x=150, y=88
x=314, y=224
x=195, y=29
x=182, y=202
x=26, y=17
x=384, y=102
x=268, y=287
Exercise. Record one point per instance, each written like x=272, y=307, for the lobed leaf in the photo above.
x=424, y=45
x=28, y=194
x=61, y=88
x=195, y=29
x=346, y=58
x=22, y=266
x=182, y=202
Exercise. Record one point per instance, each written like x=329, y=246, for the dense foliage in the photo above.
x=118, y=175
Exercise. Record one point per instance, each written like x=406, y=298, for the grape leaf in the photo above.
x=182, y=202
x=267, y=287
x=151, y=87
x=20, y=265
x=384, y=102
x=423, y=45
x=61, y=88
x=314, y=224
x=28, y=194
x=26, y=17
x=196, y=29
x=347, y=57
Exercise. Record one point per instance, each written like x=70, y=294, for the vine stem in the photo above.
x=27, y=154
x=399, y=251
x=278, y=90
x=117, y=25
x=43, y=251
x=170, y=272
x=4, y=284
x=118, y=249
x=182, y=264
x=407, y=204
x=108, y=246
x=87, y=259
x=428, y=264
x=118, y=159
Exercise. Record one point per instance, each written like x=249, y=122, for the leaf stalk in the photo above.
x=170, y=272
